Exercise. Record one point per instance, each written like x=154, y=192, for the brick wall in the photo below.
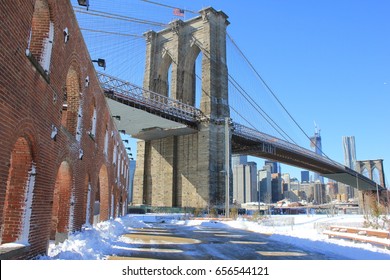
x=47, y=154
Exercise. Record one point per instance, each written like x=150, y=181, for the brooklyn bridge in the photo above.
x=65, y=164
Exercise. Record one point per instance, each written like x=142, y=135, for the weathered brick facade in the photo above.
x=61, y=155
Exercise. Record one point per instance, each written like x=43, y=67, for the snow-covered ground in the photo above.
x=301, y=230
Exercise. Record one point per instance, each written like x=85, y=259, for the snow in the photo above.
x=104, y=239
x=28, y=209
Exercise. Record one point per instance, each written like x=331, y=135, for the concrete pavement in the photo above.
x=179, y=242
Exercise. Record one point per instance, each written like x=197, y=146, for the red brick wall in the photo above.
x=30, y=104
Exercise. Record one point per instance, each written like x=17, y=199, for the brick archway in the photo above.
x=61, y=201
x=17, y=198
x=102, y=197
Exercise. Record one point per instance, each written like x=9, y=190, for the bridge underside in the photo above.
x=339, y=173
x=143, y=124
x=350, y=180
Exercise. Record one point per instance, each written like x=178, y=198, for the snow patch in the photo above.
x=106, y=238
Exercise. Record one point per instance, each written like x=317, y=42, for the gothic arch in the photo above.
x=372, y=169
x=161, y=83
x=375, y=175
x=365, y=172
x=188, y=94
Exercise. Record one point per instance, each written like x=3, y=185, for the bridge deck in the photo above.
x=148, y=115
x=251, y=142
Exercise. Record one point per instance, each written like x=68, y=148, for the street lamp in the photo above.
x=377, y=192
x=84, y=3
x=101, y=62
x=258, y=193
x=357, y=184
x=227, y=167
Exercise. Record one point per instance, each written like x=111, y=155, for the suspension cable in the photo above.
x=111, y=33
x=272, y=93
x=118, y=17
x=257, y=108
x=168, y=6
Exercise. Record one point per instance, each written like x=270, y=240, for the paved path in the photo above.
x=176, y=242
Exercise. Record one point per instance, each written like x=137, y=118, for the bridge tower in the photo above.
x=372, y=169
x=187, y=170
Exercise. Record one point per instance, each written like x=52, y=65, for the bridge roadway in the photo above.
x=204, y=242
x=148, y=115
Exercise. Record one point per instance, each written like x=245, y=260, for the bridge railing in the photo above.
x=152, y=100
x=255, y=135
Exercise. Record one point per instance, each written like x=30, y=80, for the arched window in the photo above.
x=106, y=139
x=93, y=122
x=71, y=109
x=61, y=202
x=19, y=192
x=88, y=194
x=40, y=43
x=104, y=194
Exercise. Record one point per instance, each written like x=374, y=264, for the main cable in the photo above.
x=272, y=93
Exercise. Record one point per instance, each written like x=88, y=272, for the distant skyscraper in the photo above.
x=239, y=159
x=350, y=159
x=265, y=184
x=275, y=167
x=131, y=179
x=305, y=176
x=315, y=143
x=349, y=151
x=245, y=182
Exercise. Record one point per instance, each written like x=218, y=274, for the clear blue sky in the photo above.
x=328, y=61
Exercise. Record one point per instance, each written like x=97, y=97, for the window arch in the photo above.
x=41, y=38
x=88, y=198
x=61, y=201
x=71, y=109
x=104, y=193
x=18, y=199
x=93, y=119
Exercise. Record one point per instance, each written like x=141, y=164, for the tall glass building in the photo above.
x=315, y=144
x=349, y=151
x=350, y=159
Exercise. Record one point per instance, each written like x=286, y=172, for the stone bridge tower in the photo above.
x=372, y=169
x=187, y=170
